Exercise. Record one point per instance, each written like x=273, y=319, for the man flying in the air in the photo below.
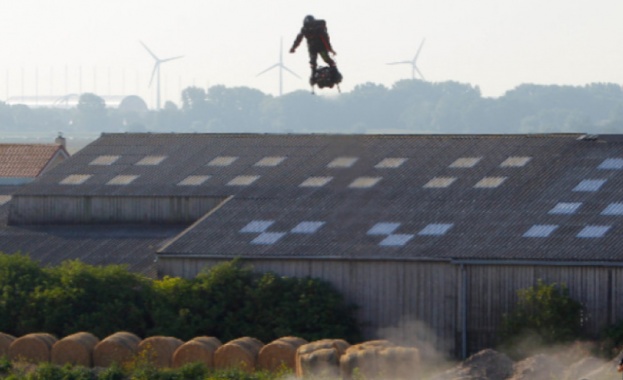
x=315, y=32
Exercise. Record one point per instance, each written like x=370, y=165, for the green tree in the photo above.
x=546, y=314
x=98, y=299
x=20, y=276
x=91, y=112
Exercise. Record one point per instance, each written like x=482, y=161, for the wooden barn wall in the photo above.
x=402, y=301
x=492, y=291
x=108, y=209
x=417, y=301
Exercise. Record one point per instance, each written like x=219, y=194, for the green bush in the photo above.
x=19, y=278
x=545, y=314
x=98, y=299
x=228, y=301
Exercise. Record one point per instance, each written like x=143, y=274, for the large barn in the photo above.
x=436, y=231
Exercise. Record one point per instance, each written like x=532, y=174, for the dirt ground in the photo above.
x=564, y=364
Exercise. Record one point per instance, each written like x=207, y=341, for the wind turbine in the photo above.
x=281, y=67
x=412, y=62
x=156, y=72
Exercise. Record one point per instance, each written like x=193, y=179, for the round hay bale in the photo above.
x=339, y=345
x=200, y=349
x=119, y=348
x=5, y=342
x=279, y=353
x=239, y=353
x=33, y=348
x=75, y=349
x=159, y=349
x=322, y=363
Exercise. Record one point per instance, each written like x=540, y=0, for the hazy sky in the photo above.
x=493, y=44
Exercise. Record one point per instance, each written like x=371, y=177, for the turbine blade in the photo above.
x=400, y=63
x=290, y=71
x=149, y=51
x=418, y=50
x=170, y=59
x=419, y=72
x=268, y=69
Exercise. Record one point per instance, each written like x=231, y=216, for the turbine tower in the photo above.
x=413, y=63
x=281, y=67
x=156, y=72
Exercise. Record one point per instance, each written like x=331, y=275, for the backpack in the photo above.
x=326, y=76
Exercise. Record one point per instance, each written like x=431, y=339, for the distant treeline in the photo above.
x=409, y=106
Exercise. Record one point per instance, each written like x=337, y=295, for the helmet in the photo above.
x=308, y=20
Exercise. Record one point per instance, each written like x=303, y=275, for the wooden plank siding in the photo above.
x=391, y=296
x=29, y=209
x=395, y=296
x=493, y=292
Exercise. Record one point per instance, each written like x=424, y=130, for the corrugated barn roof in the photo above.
x=465, y=197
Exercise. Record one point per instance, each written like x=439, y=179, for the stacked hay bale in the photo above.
x=75, y=349
x=364, y=358
x=120, y=347
x=320, y=358
x=33, y=348
x=199, y=349
x=379, y=359
x=5, y=342
x=158, y=350
x=280, y=353
x=239, y=353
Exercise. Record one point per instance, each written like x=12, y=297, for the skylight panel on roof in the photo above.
x=257, y=226
x=390, y=163
x=151, y=160
x=268, y=238
x=437, y=229
x=307, y=227
x=122, y=180
x=515, y=162
x=222, y=161
x=465, y=162
x=383, y=228
x=104, y=160
x=613, y=209
x=193, y=180
x=540, y=230
x=243, y=180
x=75, y=179
x=396, y=240
x=593, y=231
x=315, y=181
x=342, y=162
x=565, y=208
x=270, y=161
x=4, y=199
x=364, y=182
x=440, y=182
x=589, y=185
x=490, y=182
x=612, y=164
